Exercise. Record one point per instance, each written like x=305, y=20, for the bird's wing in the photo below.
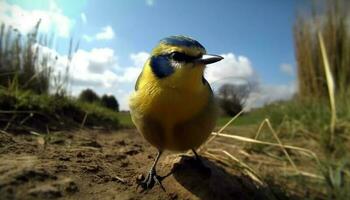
x=150, y=128
x=193, y=132
x=138, y=81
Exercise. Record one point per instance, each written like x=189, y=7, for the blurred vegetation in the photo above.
x=312, y=119
x=27, y=111
x=109, y=101
x=33, y=96
x=331, y=19
x=231, y=98
x=24, y=65
x=88, y=95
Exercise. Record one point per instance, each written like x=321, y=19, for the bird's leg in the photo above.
x=197, y=158
x=196, y=155
x=152, y=176
x=200, y=165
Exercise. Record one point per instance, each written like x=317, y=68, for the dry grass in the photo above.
x=25, y=65
x=330, y=85
x=331, y=19
x=226, y=153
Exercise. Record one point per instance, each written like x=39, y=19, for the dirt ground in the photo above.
x=105, y=165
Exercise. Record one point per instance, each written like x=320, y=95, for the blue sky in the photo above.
x=255, y=36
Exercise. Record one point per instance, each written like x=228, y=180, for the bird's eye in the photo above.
x=177, y=56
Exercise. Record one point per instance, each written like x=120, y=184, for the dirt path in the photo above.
x=101, y=165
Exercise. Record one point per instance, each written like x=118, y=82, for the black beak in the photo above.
x=208, y=59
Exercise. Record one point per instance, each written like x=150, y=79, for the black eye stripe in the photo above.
x=181, y=57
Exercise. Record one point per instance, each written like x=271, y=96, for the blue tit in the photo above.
x=173, y=105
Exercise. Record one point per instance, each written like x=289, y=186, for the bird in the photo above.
x=173, y=106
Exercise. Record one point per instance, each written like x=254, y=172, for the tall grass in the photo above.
x=331, y=18
x=23, y=65
x=33, y=94
x=19, y=61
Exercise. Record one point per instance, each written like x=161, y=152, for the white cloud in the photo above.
x=88, y=38
x=86, y=68
x=24, y=20
x=140, y=58
x=99, y=70
x=287, y=69
x=238, y=70
x=269, y=93
x=95, y=66
x=131, y=73
x=100, y=67
x=150, y=2
x=231, y=68
x=83, y=18
x=100, y=60
x=124, y=100
x=106, y=33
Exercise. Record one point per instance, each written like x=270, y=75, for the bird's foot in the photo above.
x=151, y=179
x=197, y=158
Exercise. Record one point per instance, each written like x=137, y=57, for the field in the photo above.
x=54, y=145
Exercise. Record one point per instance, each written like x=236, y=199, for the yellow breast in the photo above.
x=173, y=99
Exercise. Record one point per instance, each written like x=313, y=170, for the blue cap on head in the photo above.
x=180, y=40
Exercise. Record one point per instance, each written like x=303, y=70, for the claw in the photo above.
x=152, y=177
x=150, y=180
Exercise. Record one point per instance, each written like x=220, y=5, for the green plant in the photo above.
x=338, y=184
x=27, y=111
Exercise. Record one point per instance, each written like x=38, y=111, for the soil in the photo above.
x=92, y=164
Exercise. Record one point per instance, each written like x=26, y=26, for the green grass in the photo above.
x=32, y=96
x=27, y=110
x=125, y=120
x=249, y=118
x=306, y=124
